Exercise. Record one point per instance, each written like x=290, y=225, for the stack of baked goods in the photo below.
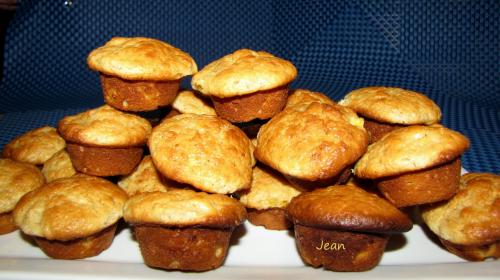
x=239, y=146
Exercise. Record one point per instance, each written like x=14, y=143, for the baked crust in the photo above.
x=189, y=102
x=472, y=216
x=70, y=208
x=58, y=166
x=35, y=146
x=141, y=58
x=348, y=208
x=271, y=218
x=205, y=152
x=243, y=72
x=393, y=105
x=269, y=189
x=410, y=149
x=304, y=96
x=145, y=178
x=17, y=179
x=312, y=141
x=184, y=208
x=105, y=127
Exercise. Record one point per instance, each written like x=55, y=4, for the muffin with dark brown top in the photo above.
x=343, y=227
x=468, y=225
x=246, y=85
x=183, y=229
x=105, y=141
x=140, y=74
x=388, y=108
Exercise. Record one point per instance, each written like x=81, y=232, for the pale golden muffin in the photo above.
x=16, y=179
x=189, y=102
x=415, y=164
x=105, y=141
x=140, y=74
x=246, y=85
x=35, y=146
x=58, y=166
x=72, y=218
x=304, y=96
x=312, y=144
x=344, y=228
x=388, y=108
x=468, y=224
x=183, y=229
x=205, y=152
x=145, y=178
x=267, y=199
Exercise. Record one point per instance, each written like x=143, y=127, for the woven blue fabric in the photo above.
x=449, y=50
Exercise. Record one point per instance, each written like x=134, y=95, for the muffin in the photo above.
x=58, y=166
x=246, y=85
x=388, y=108
x=304, y=96
x=16, y=179
x=140, y=74
x=344, y=228
x=145, y=178
x=105, y=141
x=183, y=229
x=415, y=164
x=35, y=146
x=72, y=218
x=188, y=101
x=312, y=144
x=205, y=152
x=468, y=224
x=267, y=199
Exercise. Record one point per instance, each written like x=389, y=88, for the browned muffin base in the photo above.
x=99, y=161
x=138, y=96
x=341, y=178
x=424, y=186
x=473, y=253
x=339, y=250
x=187, y=249
x=7, y=223
x=272, y=218
x=258, y=105
x=78, y=248
x=377, y=130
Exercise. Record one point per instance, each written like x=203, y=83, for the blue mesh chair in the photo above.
x=449, y=50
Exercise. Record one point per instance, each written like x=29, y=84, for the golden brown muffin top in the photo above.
x=393, y=105
x=269, y=189
x=70, y=208
x=105, y=126
x=17, y=179
x=141, y=59
x=304, y=96
x=58, y=166
x=347, y=207
x=205, y=152
x=189, y=102
x=35, y=146
x=182, y=208
x=145, y=178
x=312, y=141
x=472, y=216
x=243, y=72
x=410, y=149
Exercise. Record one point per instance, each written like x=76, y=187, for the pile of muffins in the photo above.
x=184, y=168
